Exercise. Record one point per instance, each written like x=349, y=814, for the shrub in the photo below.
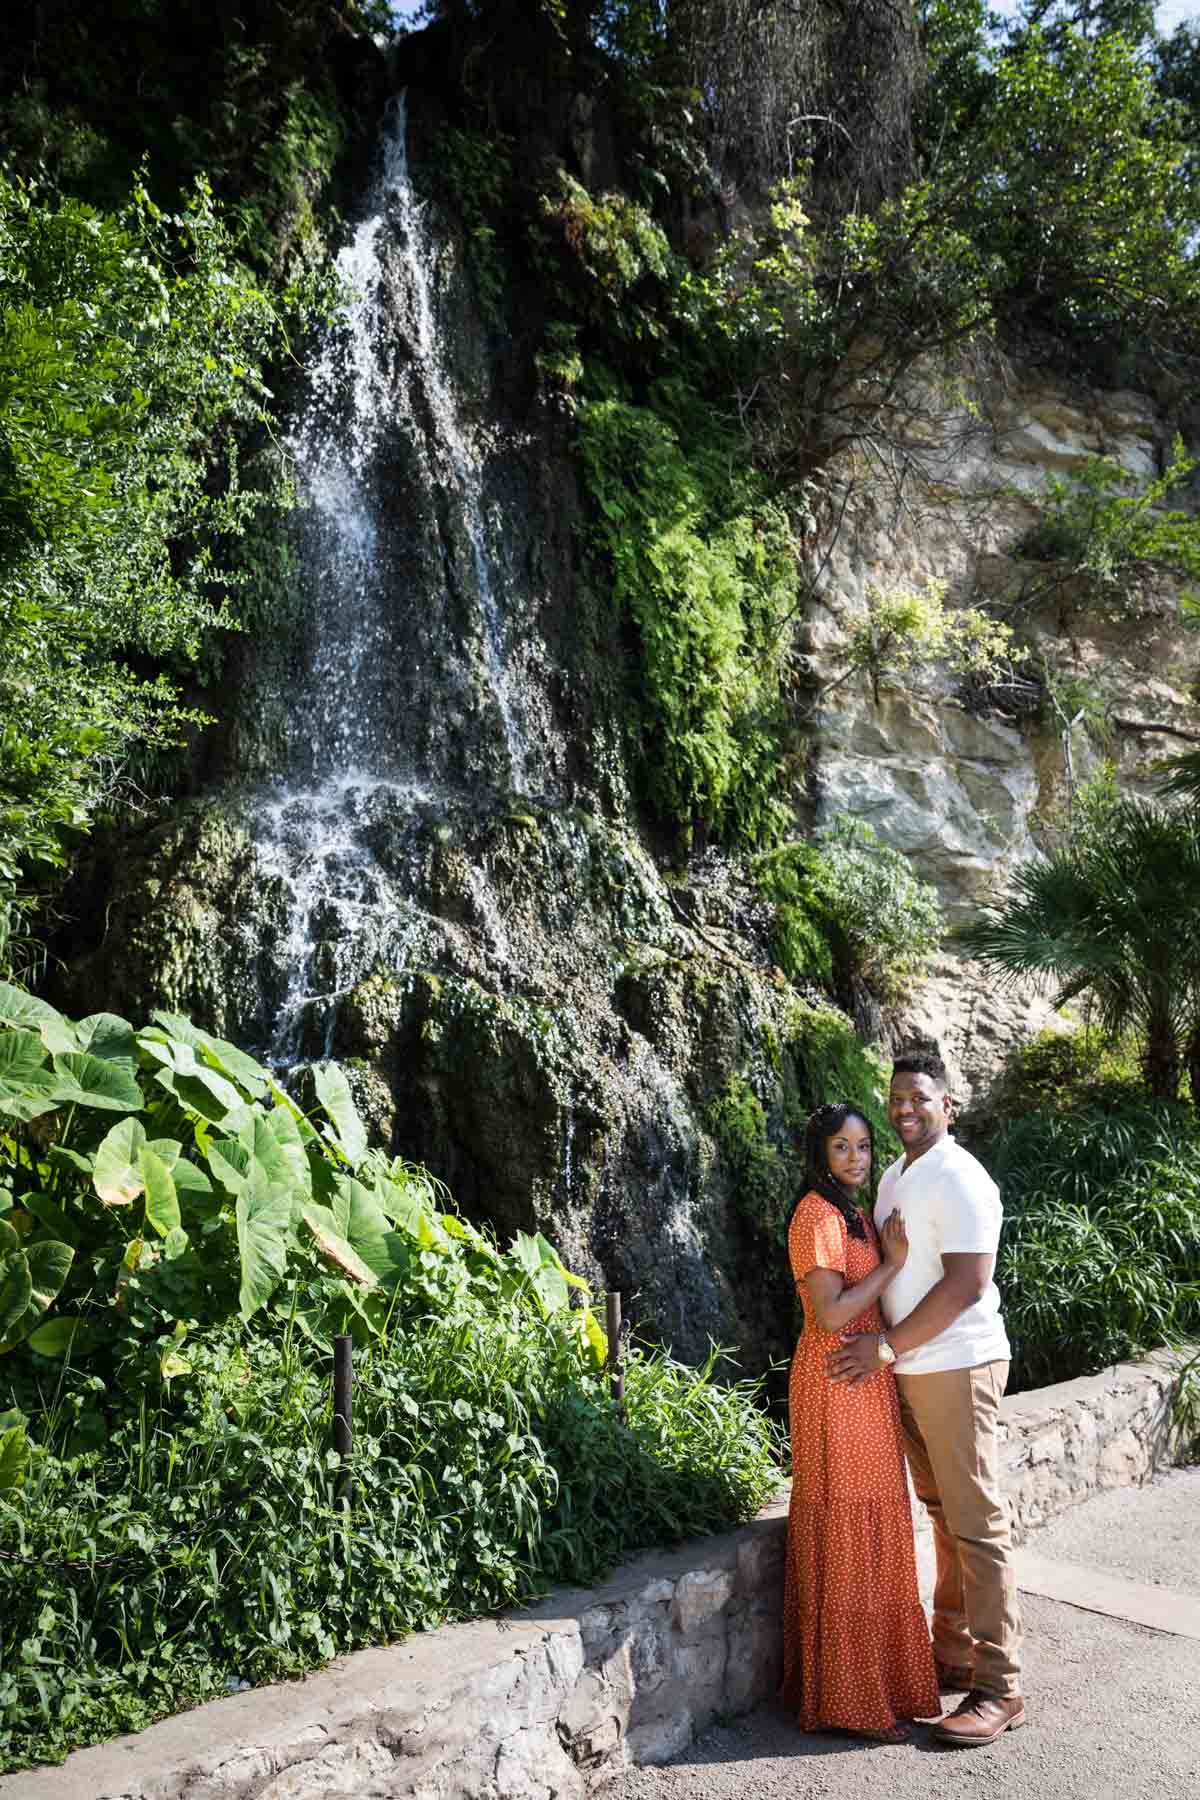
x=171, y=1515
x=1064, y=1070
x=1100, y=1256
x=489, y=1464
x=133, y=349
x=847, y=907
x=907, y=629
x=1106, y=528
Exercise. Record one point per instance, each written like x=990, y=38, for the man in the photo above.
x=947, y=1344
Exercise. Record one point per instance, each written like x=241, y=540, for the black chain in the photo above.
x=124, y=1556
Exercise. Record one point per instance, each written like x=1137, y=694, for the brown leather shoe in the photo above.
x=953, y=1678
x=981, y=1719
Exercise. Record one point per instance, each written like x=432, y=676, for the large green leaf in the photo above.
x=19, y=1008
x=66, y=1332
x=188, y=1178
x=16, y=1292
x=282, y=1099
x=117, y=1176
x=23, y=1059
x=334, y=1247
x=108, y=1037
x=267, y=1151
x=542, y=1265
x=226, y=1058
x=281, y=1122
x=230, y=1163
x=162, y=1203
x=47, y=1266
x=52, y=1217
x=360, y=1222
x=263, y=1217
x=64, y=1158
x=85, y=1080
x=333, y=1091
x=201, y=1093
x=14, y=1457
x=36, y=1099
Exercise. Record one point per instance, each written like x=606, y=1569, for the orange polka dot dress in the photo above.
x=856, y=1653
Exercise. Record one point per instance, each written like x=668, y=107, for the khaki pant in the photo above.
x=948, y=1418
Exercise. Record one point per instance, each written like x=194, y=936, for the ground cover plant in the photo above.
x=179, y=1242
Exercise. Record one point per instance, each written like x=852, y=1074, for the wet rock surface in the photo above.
x=424, y=854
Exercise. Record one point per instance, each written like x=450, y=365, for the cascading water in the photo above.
x=384, y=658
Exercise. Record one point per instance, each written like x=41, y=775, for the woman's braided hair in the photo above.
x=822, y=1125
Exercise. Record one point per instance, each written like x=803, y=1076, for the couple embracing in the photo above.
x=903, y=1345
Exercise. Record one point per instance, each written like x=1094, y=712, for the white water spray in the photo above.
x=379, y=373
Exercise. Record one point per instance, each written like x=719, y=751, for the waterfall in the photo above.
x=387, y=659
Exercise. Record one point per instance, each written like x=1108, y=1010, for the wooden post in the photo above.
x=343, y=1412
x=616, y=1356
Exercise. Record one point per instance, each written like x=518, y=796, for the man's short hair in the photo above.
x=922, y=1062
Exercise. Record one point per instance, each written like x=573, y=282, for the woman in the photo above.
x=857, y=1654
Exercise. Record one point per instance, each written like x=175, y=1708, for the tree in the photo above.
x=1060, y=154
x=132, y=348
x=1114, y=914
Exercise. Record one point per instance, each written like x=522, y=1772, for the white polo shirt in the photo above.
x=950, y=1204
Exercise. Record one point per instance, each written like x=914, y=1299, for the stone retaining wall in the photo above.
x=552, y=1703
x=1080, y=1437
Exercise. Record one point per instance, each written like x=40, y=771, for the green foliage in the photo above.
x=131, y=347
x=292, y=165
x=1064, y=161
x=256, y=99
x=210, y=1195
x=703, y=564
x=835, y=1064
x=166, y=1483
x=1063, y=1070
x=1100, y=1256
x=615, y=247
x=1108, y=527
x=849, y=908
x=477, y=169
x=907, y=629
x=1182, y=776
x=489, y=1464
x=1185, y=1411
x=1113, y=913
x=764, y=1175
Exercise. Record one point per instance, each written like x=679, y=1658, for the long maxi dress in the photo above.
x=857, y=1652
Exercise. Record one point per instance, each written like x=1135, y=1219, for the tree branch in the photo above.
x=1189, y=737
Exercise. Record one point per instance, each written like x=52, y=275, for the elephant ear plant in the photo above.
x=181, y=1241
x=158, y=1182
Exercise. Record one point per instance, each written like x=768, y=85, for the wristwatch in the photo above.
x=886, y=1353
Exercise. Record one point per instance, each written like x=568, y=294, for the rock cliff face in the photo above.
x=423, y=853
x=969, y=792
